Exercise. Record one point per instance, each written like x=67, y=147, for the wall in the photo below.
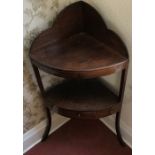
x=38, y=15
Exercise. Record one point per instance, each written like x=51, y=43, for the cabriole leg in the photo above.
x=120, y=99
x=118, y=132
x=48, y=125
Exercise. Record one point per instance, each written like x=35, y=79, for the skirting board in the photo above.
x=33, y=136
x=125, y=130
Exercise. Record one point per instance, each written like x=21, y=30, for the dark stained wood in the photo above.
x=48, y=125
x=118, y=130
x=79, y=45
x=122, y=84
x=120, y=99
x=38, y=78
x=80, y=48
x=79, y=56
x=82, y=99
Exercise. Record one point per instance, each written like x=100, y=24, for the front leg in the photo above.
x=118, y=132
x=48, y=125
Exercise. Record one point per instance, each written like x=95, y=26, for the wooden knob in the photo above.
x=79, y=115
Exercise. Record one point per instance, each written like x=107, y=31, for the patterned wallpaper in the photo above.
x=38, y=15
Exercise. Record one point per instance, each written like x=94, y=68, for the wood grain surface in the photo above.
x=79, y=45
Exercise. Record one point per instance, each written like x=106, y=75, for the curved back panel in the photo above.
x=93, y=22
x=70, y=20
x=79, y=17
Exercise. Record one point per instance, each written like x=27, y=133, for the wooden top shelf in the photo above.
x=82, y=98
x=79, y=45
x=80, y=55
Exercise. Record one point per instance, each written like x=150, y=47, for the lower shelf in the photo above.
x=88, y=98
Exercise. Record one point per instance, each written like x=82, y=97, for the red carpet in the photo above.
x=81, y=137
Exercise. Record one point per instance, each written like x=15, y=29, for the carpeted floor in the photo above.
x=81, y=137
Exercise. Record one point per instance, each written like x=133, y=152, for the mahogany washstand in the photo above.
x=80, y=48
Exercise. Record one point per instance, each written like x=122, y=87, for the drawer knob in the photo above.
x=79, y=115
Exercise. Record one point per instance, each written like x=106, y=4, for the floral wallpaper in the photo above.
x=38, y=16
